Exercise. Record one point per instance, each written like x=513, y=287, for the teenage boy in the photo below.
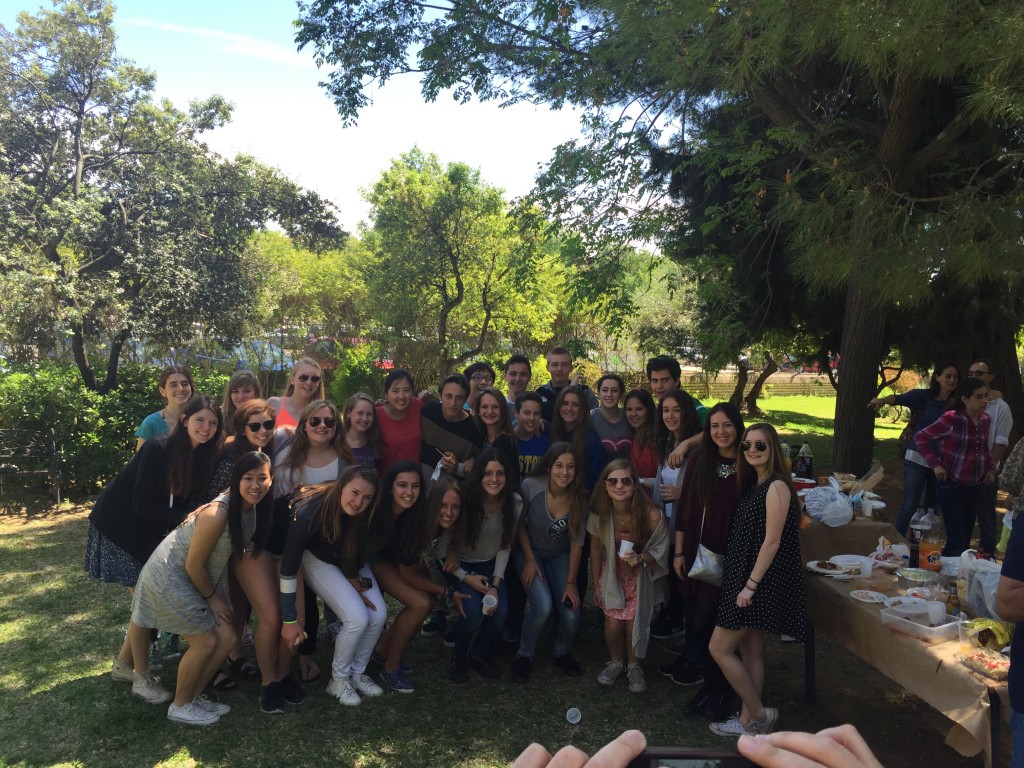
x=1000, y=422
x=531, y=445
x=449, y=435
x=559, y=365
x=517, y=376
x=480, y=376
x=664, y=374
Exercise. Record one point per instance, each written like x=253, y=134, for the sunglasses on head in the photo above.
x=977, y=374
x=625, y=482
x=328, y=421
x=760, y=445
x=256, y=426
x=304, y=377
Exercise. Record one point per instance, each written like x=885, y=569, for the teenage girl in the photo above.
x=571, y=424
x=176, y=388
x=608, y=419
x=241, y=387
x=642, y=415
x=398, y=420
x=305, y=384
x=494, y=420
x=361, y=433
x=330, y=539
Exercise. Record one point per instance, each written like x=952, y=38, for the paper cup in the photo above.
x=865, y=567
x=490, y=602
x=866, y=506
x=936, y=612
x=625, y=547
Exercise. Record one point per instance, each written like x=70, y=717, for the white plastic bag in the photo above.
x=829, y=505
x=982, y=585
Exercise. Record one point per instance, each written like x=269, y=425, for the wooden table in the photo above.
x=975, y=704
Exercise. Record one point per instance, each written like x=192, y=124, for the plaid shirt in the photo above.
x=962, y=447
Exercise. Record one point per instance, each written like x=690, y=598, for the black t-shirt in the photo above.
x=440, y=436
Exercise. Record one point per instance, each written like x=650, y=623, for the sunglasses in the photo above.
x=328, y=421
x=256, y=426
x=304, y=377
x=977, y=374
x=760, y=445
x=625, y=482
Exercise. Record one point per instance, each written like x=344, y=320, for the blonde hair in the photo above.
x=290, y=389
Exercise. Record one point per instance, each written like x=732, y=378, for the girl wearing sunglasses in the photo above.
x=317, y=454
x=762, y=584
x=305, y=384
x=629, y=558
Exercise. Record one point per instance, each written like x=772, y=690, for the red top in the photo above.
x=644, y=460
x=284, y=419
x=400, y=437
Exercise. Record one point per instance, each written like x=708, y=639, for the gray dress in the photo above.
x=165, y=596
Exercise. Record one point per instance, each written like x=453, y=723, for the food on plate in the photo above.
x=867, y=596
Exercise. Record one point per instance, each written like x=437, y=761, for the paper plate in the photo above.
x=867, y=596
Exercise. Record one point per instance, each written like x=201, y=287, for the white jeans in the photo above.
x=360, y=627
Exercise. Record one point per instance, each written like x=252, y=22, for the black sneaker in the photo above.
x=272, y=699
x=449, y=638
x=293, y=692
x=691, y=674
x=521, y=670
x=699, y=703
x=676, y=665
x=484, y=667
x=458, y=673
x=569, y=666
x=434, y=625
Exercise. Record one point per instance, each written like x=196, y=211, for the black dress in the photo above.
x=778, y=604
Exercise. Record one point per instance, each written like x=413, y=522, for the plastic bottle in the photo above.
x=805, y=461
x=787, y=455
x=918, y=525
x=953, y=601
x=932, y=543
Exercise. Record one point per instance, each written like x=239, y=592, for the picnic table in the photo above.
x=975, y=704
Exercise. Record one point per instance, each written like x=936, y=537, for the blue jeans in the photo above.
x=490, y=626
x=1017, y=727
x=542, y=596
x=917, y=479
x=959, y=505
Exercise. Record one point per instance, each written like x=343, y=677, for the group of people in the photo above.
x=481, y=513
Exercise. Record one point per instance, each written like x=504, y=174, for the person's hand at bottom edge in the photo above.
x=614, y=754
x=839, y=747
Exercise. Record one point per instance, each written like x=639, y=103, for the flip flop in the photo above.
x=223, y=682
x=308, y=671
x=244, y=668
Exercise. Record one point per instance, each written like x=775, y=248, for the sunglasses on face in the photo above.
x=759, y=445
x=256, y=426
x=328, y=421
x=625, y=482
x=304, y=377
x=977, y=374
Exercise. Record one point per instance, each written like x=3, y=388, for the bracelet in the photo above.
x=207, y=597
x=751, y=578
x=678, y=554
x=569, y=582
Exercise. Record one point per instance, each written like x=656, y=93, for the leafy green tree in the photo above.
x=453, y=270
x=869, y=145
x=115, y=219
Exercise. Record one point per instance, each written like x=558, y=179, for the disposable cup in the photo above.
x=865, y=567
x=625, y=547
x=936, y=612
x=490, y=602
x=573, y=715
x=866, y=506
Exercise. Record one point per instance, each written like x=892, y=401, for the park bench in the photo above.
x=30, y=453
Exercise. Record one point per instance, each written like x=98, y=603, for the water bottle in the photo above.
x=787, y=456
x=918, y=525
x=805, y=461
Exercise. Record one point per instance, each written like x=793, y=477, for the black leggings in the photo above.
x=701, y=612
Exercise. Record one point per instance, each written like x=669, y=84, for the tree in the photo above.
x=114, y=218
x=876, y=144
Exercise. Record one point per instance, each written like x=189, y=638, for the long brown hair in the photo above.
x=335, y=526
x=423, y=528
x=189, y=470
x=639, y=506
x=247, y=462
x=473, y=500
x=707, y=461
x=647, y=435
x=504, y=419
x=577, y=437
x=577, y=489
x=746, y=475
x=689, y=426
x=238, y=380
x=300, y=444
x=241, y=444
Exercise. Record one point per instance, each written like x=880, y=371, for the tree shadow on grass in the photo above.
x=818, y=425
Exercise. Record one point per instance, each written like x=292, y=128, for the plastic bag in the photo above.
x=981, y=579
x=829, y=505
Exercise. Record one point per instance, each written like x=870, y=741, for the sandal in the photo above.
x=244, y=668
x=308, y=671
x=223, y=682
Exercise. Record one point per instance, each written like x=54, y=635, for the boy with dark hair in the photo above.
x=528, y=418
x=664, y=374
x=517, y=375
x=480, y=375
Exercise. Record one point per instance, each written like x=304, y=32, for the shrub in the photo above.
x=96, y=433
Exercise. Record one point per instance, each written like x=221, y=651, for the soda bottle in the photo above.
x=953, y=601
x=805, y=461
x=932, y=543
x=918, y=525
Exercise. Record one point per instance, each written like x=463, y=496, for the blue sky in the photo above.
x=245, y=52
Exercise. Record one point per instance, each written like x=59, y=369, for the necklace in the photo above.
x=726, y=469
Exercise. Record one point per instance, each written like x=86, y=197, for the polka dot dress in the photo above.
x=778, y=604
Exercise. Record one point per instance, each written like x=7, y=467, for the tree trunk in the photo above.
x=755, y=391
x=742, y=376
x=82, y=360
x=862, y=347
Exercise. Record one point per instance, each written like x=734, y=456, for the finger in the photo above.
x=619, y=752
x=760, y=750
x=534, y=756
x=850, y=738
x=568, y=757
x=803, y=750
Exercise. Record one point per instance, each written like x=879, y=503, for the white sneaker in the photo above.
x=122, y=672
x=342, y=690
x=767, y=723
x=191, y=714
x=365, y=685
x=635, y=678
x=731, y=728
x=610, y=673
x=211, y=706
x=148, y=688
